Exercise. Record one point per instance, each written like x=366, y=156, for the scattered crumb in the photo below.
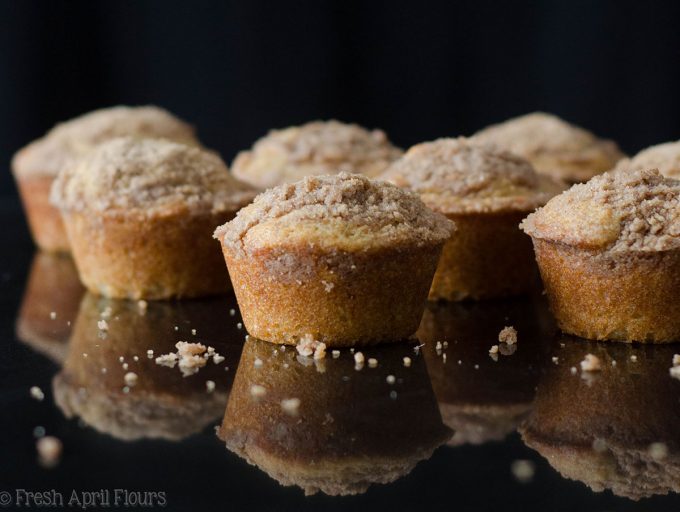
x=258, y=363
x=125, y=366
x=121, y=359
x=308, y=346
x=359, y=358
x=675, y=372
x=336, y=354
x=613, y=362
x=210, y=386
x=104, y=370
x=573, y=370
x=676, y=359
x=232, y=312
x=85, y=355
x=49, y=451
x=107, y=312
x=658, y=451
x=291, y=406
x=493, y=349
x=508, y=335
x=217, y=359
x=393, y=395
x=555, y=359
x=37, y=393
x=523, y=470
x=591, y=363
x=633, y=358
x=372, y=362
x=239, y=325
x=53, y=315
x=135, y=358
x=126, y=389
x=193, y=331
x=103, y=325
x=188, y=355
x=390, y=379
x=177, y=328
x=257, y=391
x=407, y=362
x=130, y=379
x=169, y=360
x=445, y=344
x=39, y=431
x=443, y=358
x=142, y=305
x=327, y=286
x=476, y=367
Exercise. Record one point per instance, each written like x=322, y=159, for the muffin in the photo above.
x=139, y=214
x=340, y=259
x=553, y=146
x=319, y=147
x=160, y=402
x=614, y=429
x=609, y=255
x=487, y=192
x=483, y=396
x=50, y=305
x=306, y=424
x=664, y=157
x=36, y=165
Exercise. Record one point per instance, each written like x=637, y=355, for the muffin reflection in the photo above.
x=50, y=305
x=614, y=429
x=323, y=425
x=112, y=383
x=483, y=397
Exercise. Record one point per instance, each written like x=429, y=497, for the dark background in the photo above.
x=418, y=69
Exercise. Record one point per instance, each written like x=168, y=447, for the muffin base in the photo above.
x=341, y=299
x=125, y=256
x=488, y=257
x=632, y=297
x=44, y=220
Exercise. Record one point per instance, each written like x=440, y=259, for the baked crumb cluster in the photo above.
x=537, y=135
x=381, y=213
x=73, y=138
x=151, y=175
x=616, y=211
x=461, y=176
x=664, y=157
x=316, y=148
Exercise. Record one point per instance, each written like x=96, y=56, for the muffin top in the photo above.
x=71, y=139
x=459, y=176
x=616, y=212
x=151, y=176
x=346, y=212
x=664, y=157
x=319, y=147
x=553, y=146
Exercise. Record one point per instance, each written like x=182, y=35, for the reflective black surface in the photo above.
x=444, y=435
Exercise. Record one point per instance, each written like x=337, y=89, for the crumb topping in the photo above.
x=315, y=148
x=555, y=147
x=616, y=211
x=459, y=176
x=664, y=157
x=343, y=211
x=73, y=138
x=508, y=335
x=150, y=175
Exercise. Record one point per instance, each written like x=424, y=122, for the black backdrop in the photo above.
x=417, y=69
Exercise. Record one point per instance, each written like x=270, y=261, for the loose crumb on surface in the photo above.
x=39, y=432
x=372, y=362
x=210, y=386
x=633, y=358
x=676, y=359
x=407, y=362
x=591, y=363
x=257, y=391
x=493, y=349
x=308, y=346
x=131, y=379
x=189, y=356
x=523, y=470
x=508, y=335
x=149, y=354
x=390, y=379
x=675, y=372
x=359, y=358
x=103, y=325
x=258, y=363
x=53, y=315
x=336, y=354
x=217, y=358
x=555, y=359
x=232, y=312
x=37, y=393
x=291, y=406
x=142, y=305
x=573, y=370
x=49, y=451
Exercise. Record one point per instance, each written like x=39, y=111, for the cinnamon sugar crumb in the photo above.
x=291, y=406
x=49, y=451
x=37, y=393
x=308, y=346
x=493, y=349
x=508, y=335
x=591, y=363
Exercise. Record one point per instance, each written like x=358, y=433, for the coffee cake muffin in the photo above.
x=36, y=166
x=315, y=148
x=553, y=146
x=341, y=259
x=139, y=214
x=306, y=425
x=486, y=192
x=616, y=428
x=664, y=157
x=609, y=255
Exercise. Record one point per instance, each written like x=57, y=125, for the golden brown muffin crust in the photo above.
x=615, y=212
x=150, y=175
x=71, y=139
x=343, y=211
x=461, y=176
x=315, y=148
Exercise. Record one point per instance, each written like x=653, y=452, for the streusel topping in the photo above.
x=315, y=148
x=151, y=175
x=616, y=211
x=461, y=176
x=665, y=157
x=342, y=211
x=553, y=146
x=73, y=138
